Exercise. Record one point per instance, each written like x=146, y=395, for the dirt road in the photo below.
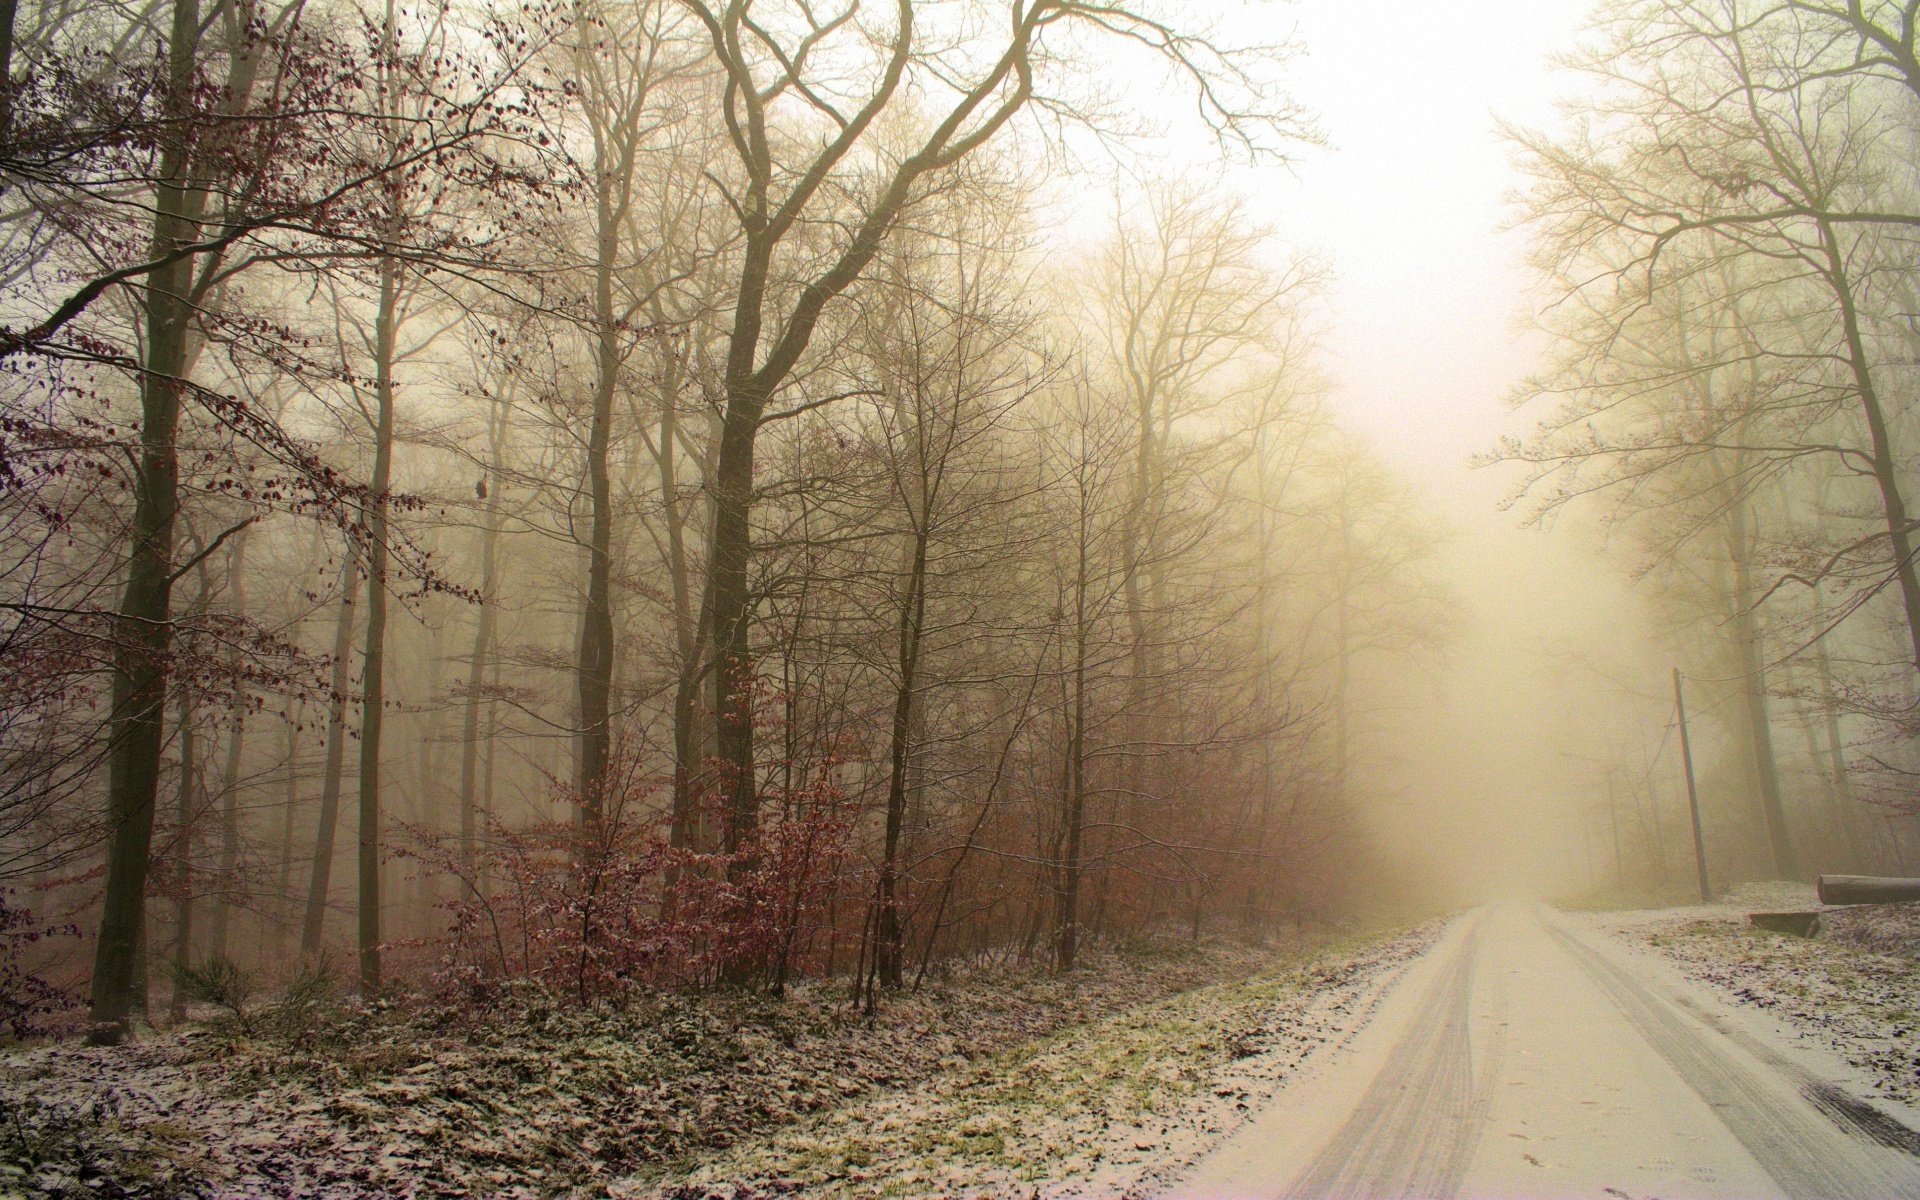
x=1531, y=1056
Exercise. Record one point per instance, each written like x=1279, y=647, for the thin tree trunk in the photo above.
x=283, y=891
x=1836, y=746
x=373, y=678
x=481, y=658
x=595, y=670
x=486, y=774
x=980, y=818
x=230, y=776
x=1066, y=922
x=319, y=878
x=888, y=954
x=185, y=816
x=1746, y=632
x=684, y=830
x=1343, y=656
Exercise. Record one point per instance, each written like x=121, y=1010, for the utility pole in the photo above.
x=1693, y=795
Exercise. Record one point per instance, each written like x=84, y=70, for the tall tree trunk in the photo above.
x=320, y=876
x=373, y=679
x=1066, y=920
x=1746, y=632
x=230, y=775
x=595, y=671
x=283, y=890
x=728, y=618
x=419, y=890
x=1839, y=775
x=486, y=767
x=143, y=625
x=913, y=608
x=483, y=638
x=9, y=15
x=688, y=635
x=185, y=816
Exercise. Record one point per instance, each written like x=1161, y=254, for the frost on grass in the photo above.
x=1855, y=988
x=1108, y=1108
x=537, y=1097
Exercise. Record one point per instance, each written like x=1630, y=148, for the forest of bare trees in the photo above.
x=732, y=598
x=639, y=494
x=1725, y=237
x=677, y=493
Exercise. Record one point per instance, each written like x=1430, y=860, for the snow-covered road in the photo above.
x=1529, y=1055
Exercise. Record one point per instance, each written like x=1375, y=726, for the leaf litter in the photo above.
x=988, y=1077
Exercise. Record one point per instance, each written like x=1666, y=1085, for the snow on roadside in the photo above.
x=1855, y=989
x=1111, y=1108
x=538, y=1097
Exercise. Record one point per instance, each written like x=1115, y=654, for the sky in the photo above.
x=1412, y=202
x=1409, y=199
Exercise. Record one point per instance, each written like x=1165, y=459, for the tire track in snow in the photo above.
x=1848, y=1111
x=1428, y=1094
x=1806, y=1155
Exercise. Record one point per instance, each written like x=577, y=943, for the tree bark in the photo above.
x=486, y=771
x=595, y=670
x=1066, y=920
x=373, y=677
x=728, y=618
x=889, y=953
x=319, y=877
x=1868, y=889
x=750, y=378
x=185, y=817
x=230, y=776
x=484, y=633
x=143, y=625
x=685, y=826
x=1746, y=632
x=1835, y=749
x=283, y=893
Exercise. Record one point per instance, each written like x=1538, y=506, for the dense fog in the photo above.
x=646, y=494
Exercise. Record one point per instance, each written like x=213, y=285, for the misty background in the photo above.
x=649, y=493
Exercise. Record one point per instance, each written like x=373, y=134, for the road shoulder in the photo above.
x=1847, y=1001
x=1112, y=1107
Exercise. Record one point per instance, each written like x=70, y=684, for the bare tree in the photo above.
x=787, y=177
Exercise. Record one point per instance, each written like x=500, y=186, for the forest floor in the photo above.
x=1114, y=1074
x=1116, y=1107
x=1853, y=990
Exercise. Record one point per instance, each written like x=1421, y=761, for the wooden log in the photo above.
x=1799, y=924
x=1867, y=889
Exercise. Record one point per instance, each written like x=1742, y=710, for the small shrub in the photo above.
x=307, y=1008
x=296, y=1017
x=612, y=910
x=221, y=982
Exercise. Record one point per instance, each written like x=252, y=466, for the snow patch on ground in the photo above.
x=1115, y=1107
x=1854, y=990
x=541, y=1097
